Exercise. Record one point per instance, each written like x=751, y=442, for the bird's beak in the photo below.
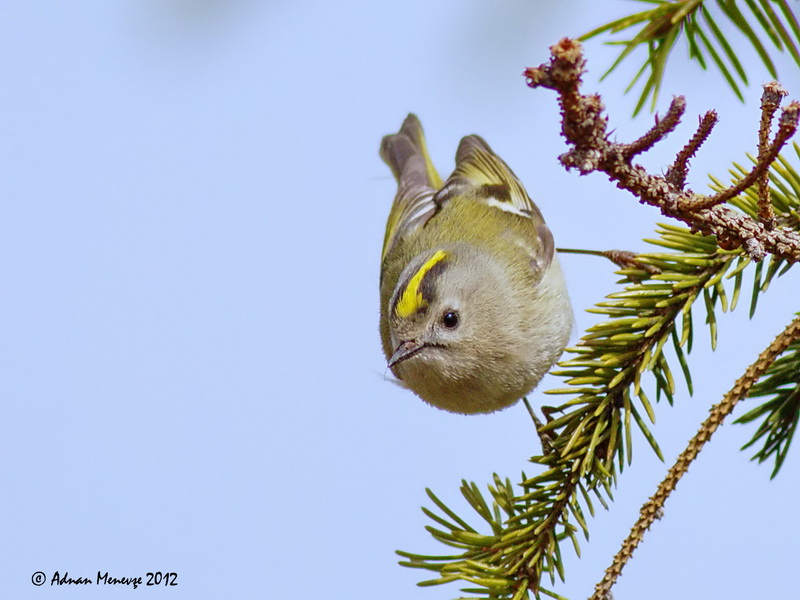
x=404, y=351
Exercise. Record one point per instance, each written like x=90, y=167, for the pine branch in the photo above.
x=767, y=154
x=677, y=172
x=653, y=509
x=780, y=414
x=770, y=102
x=585, y=128
x=662, y=26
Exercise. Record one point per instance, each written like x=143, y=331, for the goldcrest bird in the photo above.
x=474, y=308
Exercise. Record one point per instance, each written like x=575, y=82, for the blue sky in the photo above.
x=192, y=214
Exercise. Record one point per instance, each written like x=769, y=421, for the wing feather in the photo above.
x=484, y=175
x=480, y=175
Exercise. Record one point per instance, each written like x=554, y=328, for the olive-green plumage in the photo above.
x=474, y=309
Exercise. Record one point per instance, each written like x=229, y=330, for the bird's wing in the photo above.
x=485, y=177
x=482, y=174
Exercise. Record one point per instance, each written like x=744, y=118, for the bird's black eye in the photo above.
x=450, y=319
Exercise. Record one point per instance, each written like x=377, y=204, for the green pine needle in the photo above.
x=710, y=40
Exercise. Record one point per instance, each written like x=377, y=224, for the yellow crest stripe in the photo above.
x=411, y=300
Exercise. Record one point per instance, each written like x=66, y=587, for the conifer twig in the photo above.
x=624, y=259
x=653, y=508
x=770, y=101
x=676, y=174
x=586, y=129
x=658, y=132
x=787, y=126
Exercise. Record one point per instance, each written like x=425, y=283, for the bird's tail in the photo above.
x=407, y=156
x=417, y=181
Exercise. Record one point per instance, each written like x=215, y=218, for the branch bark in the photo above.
x=653, y=508
x=586, y=129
